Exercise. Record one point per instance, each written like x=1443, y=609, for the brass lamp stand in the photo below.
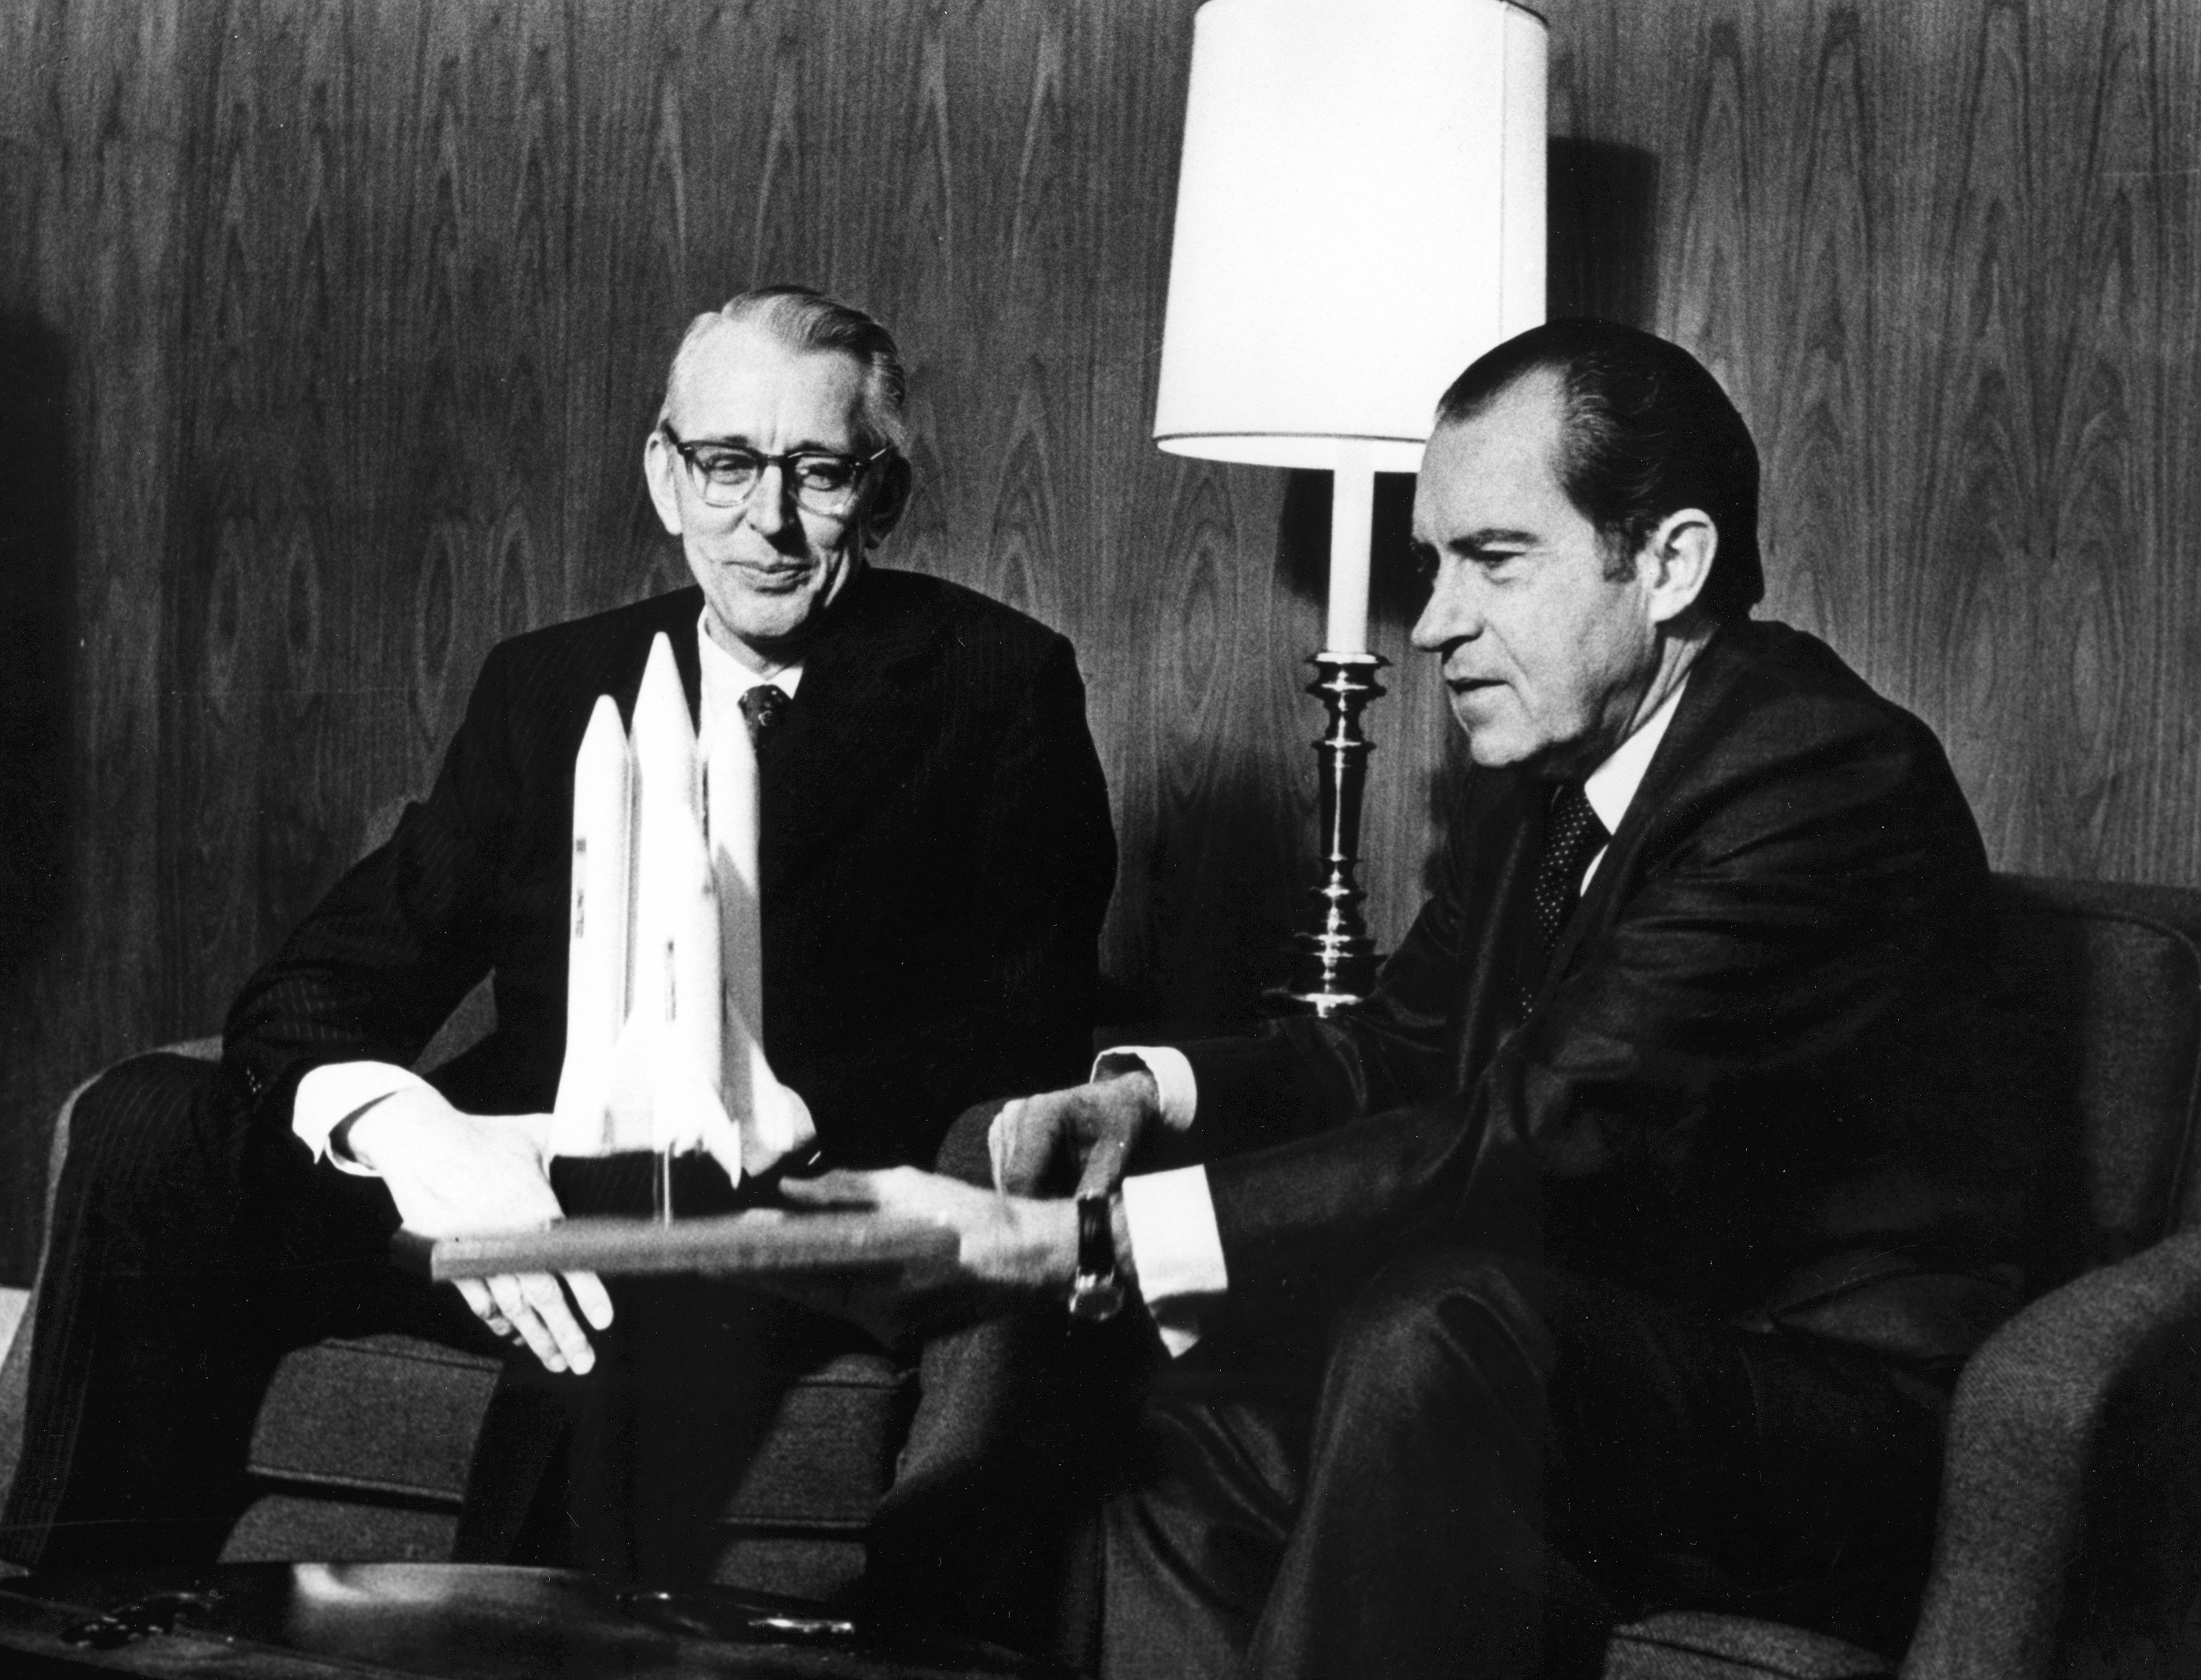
x=1334, y=962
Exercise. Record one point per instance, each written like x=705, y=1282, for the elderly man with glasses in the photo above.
x=935, y=857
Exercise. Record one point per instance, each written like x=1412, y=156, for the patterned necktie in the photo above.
x=764, y=707
x=1572, y=836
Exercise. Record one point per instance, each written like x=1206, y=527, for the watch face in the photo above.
x=1096, y=1299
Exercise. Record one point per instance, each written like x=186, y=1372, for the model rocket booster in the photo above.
x=664, y=992
x=596, y=965
x=776, y=1121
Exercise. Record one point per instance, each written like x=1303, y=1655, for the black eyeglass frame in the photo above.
x=858, y=465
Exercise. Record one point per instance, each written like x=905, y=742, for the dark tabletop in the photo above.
x=443, y=1622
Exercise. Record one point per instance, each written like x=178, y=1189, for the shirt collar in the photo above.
x=727, y=679
x=1611, y=788
x=722, y=670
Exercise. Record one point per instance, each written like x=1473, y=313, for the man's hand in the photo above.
x=453, y=1174
x=1008, y=1247
x=1095, y=1126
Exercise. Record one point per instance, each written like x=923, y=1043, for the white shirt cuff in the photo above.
x=1176, y=1249
x=331, y=1095
x=1173, y=1078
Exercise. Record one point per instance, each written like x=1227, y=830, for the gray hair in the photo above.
x=802, y=318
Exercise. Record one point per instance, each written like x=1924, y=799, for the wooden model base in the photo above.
x=757, y=1241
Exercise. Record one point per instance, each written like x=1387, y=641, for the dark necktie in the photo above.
x=1572, y=836
x=764, y=705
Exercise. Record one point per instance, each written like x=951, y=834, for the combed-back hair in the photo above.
x=803, y=318
x=1646, y=431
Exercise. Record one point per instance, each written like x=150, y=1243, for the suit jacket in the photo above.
x=934, y=859
x=1743, y=1080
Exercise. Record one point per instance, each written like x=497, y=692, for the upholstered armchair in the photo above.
x=2069, y=1537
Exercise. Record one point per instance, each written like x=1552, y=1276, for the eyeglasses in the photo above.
x=821, y=480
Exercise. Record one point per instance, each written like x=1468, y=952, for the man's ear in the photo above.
x=658, y=466
x=1677, y=562
x=889, y=500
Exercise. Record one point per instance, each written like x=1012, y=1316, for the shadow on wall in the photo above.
x=38, y=569
x=1600, y=216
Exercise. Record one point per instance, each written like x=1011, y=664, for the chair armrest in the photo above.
x=15, y=1366
x=2047, y=1412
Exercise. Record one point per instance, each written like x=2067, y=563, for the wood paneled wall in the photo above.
x=329, y=333
x=1947, y=258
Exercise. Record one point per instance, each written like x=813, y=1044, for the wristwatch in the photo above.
x=1096, y=1291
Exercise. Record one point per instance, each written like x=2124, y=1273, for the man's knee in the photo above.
x=965, y=1152
x=135, y=1139
x=1439, y=1331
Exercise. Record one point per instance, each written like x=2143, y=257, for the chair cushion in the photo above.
x=291, y=1528
x=1696, y=1645
x=387, y=1415
x=364, y=1446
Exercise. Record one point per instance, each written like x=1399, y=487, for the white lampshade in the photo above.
x=1360, y=214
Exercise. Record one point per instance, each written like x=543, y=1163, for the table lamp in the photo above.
x=1360, y=214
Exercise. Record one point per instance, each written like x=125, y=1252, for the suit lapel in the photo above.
x=1664, y=785
x=1513, y=822
x=870, y=697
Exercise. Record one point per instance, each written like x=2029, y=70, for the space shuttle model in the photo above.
x=664, y=990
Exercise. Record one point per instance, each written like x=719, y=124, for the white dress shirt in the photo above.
x=1175, y=1248
x=331, y=1095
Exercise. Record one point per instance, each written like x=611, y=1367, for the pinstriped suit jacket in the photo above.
x=934, y=859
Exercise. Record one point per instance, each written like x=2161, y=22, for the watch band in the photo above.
x=1096, y=1292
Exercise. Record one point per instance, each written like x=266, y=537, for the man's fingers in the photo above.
x=475, y=1293
x=840, y=1188
x=513, y=1300
x=1000, y=1136
x=549, y=1301
x=1029, y=1149
x=1104, y=1167
x=888, y=1189
x=589, y=1295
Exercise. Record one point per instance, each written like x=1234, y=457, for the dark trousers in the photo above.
x=187, y=1255
x=1496, y=1463
x=690, y=1377
x=990, y=1526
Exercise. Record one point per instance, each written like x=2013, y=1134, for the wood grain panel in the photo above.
x=354, y=318
x=2161, y=839
x=1820, y=443
x=1936, y=253
x=92, y=154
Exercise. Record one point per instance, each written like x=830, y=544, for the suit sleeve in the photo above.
x=374, y=969
x=1014, y=1008
x=1401, y=1048
x=1761, y=1011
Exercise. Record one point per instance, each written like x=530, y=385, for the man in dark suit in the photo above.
x=1619, y=1252
x=935, y=858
